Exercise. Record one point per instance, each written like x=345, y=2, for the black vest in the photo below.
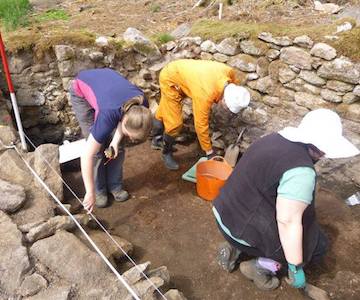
x=247, y=202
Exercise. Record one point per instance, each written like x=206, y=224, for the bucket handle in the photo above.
x=221, y=159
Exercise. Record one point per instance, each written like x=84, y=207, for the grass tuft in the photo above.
x=52, y=15
x=14, y=13
x=163, y=38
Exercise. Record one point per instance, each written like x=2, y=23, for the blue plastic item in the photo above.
x=190, y=175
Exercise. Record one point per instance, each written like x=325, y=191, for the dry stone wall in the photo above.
x=286, y=78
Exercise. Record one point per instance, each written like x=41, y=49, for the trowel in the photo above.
x=233, y=150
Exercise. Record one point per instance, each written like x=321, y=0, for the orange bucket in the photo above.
x=211, y=175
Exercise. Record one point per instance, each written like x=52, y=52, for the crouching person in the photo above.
x=267, y=207
x=206, y=83
x=109, y=109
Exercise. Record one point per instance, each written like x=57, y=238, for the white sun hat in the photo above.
x=236, y=97
x=322, y=128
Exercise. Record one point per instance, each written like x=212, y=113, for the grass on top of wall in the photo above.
x=348, y=43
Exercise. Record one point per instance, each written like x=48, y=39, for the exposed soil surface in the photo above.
x=169, y=225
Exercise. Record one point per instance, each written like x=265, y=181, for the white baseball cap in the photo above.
x=322, y=128
x=236, y=97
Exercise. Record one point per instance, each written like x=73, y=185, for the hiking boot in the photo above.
x=227, y=256
x=120, y=196
x=101, y=200
x=170, y=162
x=263, y=278
x=157, y=143
x=167, y=153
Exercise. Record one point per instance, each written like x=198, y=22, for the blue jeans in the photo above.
x=109, y=177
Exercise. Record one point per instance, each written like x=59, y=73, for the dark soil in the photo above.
x=168, y=224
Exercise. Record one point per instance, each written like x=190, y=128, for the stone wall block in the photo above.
x=356, y=90
x=272, y=54
x=228, y=46
x=208, y=46
x=312, y=78
x=324, y=51
x=283, y=41
x=331, y=96
x=20, y=61
x=12, y=196
x=349, y=111
x=304, y=41
x=340, y=69
x=297, y=57
x=262, y=67
x=264, y=85
x=255, y=48
x=243, y=62
x=66, y=68
x=221, y=57
x=350, y=98
x=64, y=52
x=296, y=84
x=339, y=86
x=312, y=89
x=310, y=101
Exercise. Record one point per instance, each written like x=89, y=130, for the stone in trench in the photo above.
x=13, y=169
x=51, y=226
x=312, y=77
x=329, y=8
x=339, y=86
x=243, y=62
x=133, y=36
x=12, y=196
x=181, y=31
x=262, y=67
x=47, y=166
x=317, y=62
x=14, y=260
x=161, y=272
x=309, y=101
x=255, y=48
x=349, y=111
x=264, y=85
x=102, y=41
x=286, y=74
x=170, y=45
x=64, y=52
x=135, y=274
x=7, y=136
x=252, y=76
x=283, y=41
x=67, y=68
x=174, y=295
x=340, y=69
x=208, y=46
x=108, y=247
x=331, y=96
x=96, y=56
x=221, y=57
x=191, y=40
x=146, y=289
x=324, y=51
x=297, y=57
x=303, y=41
x=32, y=285
x=272, y=54
x=54, y=292
x=19, y=62
x=349, y=98
x=228, y=46
x=252, y=116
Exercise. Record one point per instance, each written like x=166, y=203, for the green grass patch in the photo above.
x=52, y=15
x=155, y=7
x=14, y=13
x=349, y=44
x=162, y=38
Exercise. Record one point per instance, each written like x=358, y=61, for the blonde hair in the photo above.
x=138, y=118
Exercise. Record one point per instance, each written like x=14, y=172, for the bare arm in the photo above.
x=118, y=135
x=289, y=219
x=87, y=171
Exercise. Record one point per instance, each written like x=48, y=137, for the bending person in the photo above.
x=108, y=108
x=267, y=207
x=206, y=83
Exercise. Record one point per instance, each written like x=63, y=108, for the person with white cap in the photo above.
x=206, y=83
x=267, y=207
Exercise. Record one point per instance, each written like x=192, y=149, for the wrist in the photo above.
x=208, y=152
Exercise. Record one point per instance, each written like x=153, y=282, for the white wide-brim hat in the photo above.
x=236, y=97
x=322, y=128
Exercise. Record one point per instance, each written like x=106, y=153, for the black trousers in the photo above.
x=319, y=252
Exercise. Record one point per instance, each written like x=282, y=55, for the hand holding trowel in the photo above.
x=232, y=151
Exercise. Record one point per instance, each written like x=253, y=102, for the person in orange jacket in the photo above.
x=206, y=83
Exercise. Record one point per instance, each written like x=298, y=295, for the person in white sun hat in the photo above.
x=205, y=82
x=267, y=207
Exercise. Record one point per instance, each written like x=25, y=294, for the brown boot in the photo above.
x=262, y=278
x=227, y=256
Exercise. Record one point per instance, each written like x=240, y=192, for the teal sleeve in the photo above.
x=298, y=184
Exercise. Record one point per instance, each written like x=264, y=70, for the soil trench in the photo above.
x=168, y=224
